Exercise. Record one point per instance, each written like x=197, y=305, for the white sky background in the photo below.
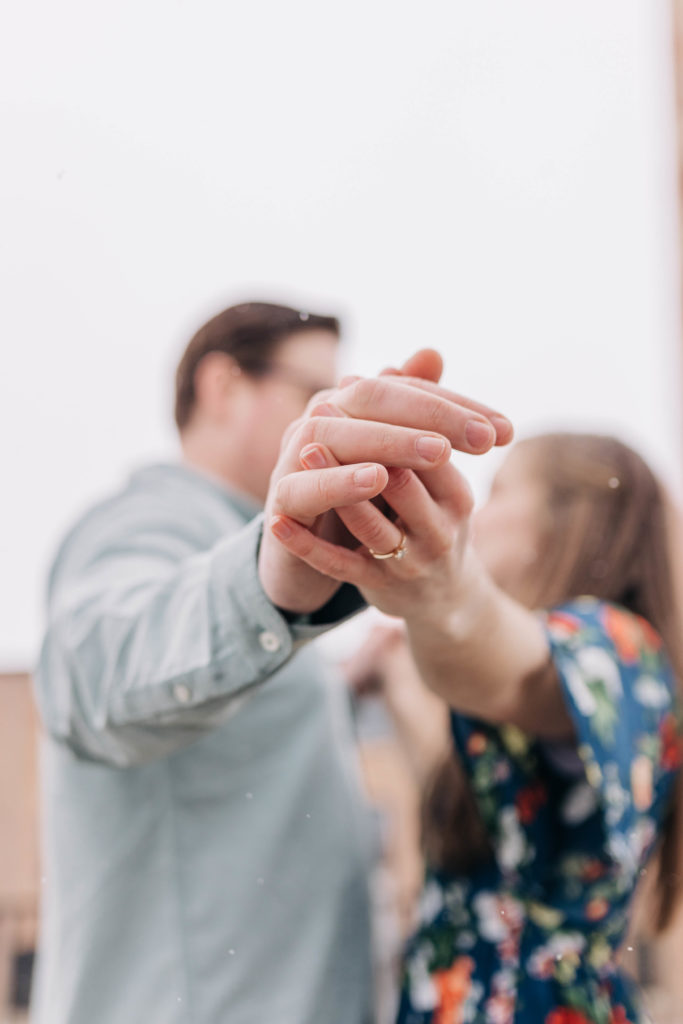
x=495, y=179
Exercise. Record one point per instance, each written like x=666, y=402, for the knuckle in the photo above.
x=314, y=428
x=299, y=434
x=324, y=489
x=443, y=544
x=434, y=409
x=319, y=427
x=366, y=391
x=319, y=398
x=337, y=566
x=413, y=572
x=442, y=541
x=307, y=431
x=282, y=492
x=400, y=480
x=386, y=441
x=375, y=530
x=307, y=544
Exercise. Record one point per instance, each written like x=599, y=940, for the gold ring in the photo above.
x=397, y=552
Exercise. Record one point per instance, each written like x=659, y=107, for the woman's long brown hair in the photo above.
x=606, y=531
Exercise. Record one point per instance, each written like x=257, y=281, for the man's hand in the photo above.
x=362, y=427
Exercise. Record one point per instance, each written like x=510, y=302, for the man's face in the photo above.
x=302, y=364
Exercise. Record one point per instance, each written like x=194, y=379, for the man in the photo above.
x=205, y=847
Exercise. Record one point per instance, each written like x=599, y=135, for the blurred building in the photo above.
x=19, y=859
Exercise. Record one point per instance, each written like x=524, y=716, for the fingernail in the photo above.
x=281, y=528
x=366, y=477
x=350, y=378
x=431, y=448
x=502, y=427
x=478, y=434
x=313, y=457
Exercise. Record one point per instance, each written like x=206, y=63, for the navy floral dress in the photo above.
x=531, y=938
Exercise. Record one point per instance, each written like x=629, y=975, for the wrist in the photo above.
x=460, y=613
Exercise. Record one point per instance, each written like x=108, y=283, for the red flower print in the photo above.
x=563, y=624
x=529, y=801
x=625, y=632
x=618, y=1016
x=476, y=744
x=592, y=870
x=596, y=909
x=566, y=1015
x=453, y=986
x=672, y=747
x=651, y=638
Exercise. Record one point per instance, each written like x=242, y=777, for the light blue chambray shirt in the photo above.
x=206, y=848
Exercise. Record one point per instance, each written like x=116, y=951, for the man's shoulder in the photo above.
x=150, y=494
x=158, y=505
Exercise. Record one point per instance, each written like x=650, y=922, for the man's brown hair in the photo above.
x=249, y=333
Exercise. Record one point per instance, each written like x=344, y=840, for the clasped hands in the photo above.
x=390, y=439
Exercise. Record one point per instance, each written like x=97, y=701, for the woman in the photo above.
x=564, y=723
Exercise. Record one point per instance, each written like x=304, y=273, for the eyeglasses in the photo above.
x=290, y=375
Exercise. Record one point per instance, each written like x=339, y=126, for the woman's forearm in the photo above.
x=488, y=656
x=420, y=718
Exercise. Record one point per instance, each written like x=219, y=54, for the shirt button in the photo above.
x=181, y=693
x=269, y=641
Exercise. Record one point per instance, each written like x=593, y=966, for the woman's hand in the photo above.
x=358, y=430
x=484, y=653
x=428, y=578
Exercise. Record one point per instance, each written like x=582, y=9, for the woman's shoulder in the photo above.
x=590, y=620
x=620, y=689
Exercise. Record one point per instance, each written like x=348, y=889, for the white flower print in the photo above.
x=622, y=853
x=512, y=844
x=431, y=901
x=466, y=940
x=652, y=693
x=499, y=915
x=595, y=663
x=500, y=1007
x=424, y=994
x=643, y=836
x=578, y=688
x=560, y=946
x=579, y=803
x=492, y=925
x=617, y=798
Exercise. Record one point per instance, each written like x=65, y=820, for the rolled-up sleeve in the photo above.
x=145, y=651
